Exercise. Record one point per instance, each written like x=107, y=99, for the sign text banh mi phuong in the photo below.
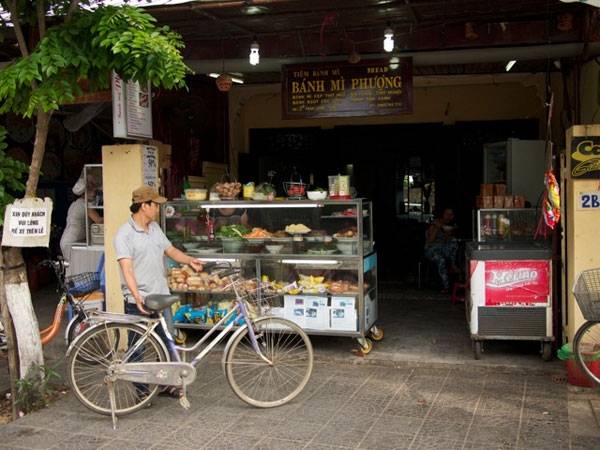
x=344, y=89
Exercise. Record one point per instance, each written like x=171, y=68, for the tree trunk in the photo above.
x=16, y=288
x=18, y=299
x=39, y=147
x=11, y=341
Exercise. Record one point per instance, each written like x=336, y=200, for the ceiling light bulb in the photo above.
x=510, y=64
x=254, y=55
x=388, y=42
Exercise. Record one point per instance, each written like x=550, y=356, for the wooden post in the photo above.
x=122, y=172
x=10, y=340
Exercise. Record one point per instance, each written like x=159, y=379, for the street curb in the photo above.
x=373, y=360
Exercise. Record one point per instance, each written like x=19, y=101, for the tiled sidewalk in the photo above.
x=366, y=407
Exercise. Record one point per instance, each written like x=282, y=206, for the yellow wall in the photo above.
x=122, y=174
x=582, y=243
x=446, y=99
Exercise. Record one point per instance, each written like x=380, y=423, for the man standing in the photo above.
x=141, y=246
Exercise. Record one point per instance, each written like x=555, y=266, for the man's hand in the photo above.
x=140, y=306
x=196, y=265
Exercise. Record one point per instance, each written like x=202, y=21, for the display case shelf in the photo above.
x=348, y=313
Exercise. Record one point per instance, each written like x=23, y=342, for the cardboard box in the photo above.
x=486, y=189
x=343, y=302
x=343, y=319
x=508, y=201
x=487, y=201
x=293, y=308
x=498, y=201
x=276, y=311
x=500, y=189
x=316, y=318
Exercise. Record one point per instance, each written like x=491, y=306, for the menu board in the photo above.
x=585, y=157
x=339, y=89
x=132, y=109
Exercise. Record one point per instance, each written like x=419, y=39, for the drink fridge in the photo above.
x=509, y=289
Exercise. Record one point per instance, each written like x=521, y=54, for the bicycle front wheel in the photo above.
x=586, y=347
x=265, y=385
x=93, y=355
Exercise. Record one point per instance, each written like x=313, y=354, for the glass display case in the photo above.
x=315, y=260
x=93, y=200
x=505, y=225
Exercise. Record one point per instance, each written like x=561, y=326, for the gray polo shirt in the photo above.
x=147, y=251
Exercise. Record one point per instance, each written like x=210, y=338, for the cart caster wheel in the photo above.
x=180, y=337
x=376, y=333
x=546, y=351
x=477, y=349
x=366, y=345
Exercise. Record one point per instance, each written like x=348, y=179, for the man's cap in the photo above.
x=146, y=194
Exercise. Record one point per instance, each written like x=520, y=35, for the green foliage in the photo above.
x=34, y=389
x=11, y=176
x=94, y=43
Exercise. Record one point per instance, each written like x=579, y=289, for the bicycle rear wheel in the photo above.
x=586, y=347
x=93, y=354
x=265, y=385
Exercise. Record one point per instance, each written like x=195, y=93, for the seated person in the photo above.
x=441, y=246
x=230, y=216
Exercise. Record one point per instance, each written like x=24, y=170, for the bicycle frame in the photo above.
x=240, y=308
x=176, y=350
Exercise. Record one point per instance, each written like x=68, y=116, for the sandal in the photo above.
x=171, y=391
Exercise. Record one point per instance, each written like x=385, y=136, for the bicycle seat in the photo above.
x=157, y=302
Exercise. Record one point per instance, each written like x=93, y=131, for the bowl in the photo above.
x=274, y=248
x=196, y=194
x=347, y=248
x=232, y=245
x=316, y=195
x=191, y=245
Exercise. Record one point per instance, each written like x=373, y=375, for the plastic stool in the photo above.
x=458, y=292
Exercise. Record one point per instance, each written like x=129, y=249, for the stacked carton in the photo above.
x=495, y=196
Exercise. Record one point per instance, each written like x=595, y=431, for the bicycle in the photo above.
x=73, y=291
x=586, y=343
x=116, y=366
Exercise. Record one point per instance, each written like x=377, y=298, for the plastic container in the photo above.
x=195, y=194
x=575, y=376
x=317, y=195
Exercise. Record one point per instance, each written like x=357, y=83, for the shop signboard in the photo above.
x=27, y=223
x=517, y=283
x=339, y=89
x=585, y=157
x=132, y=109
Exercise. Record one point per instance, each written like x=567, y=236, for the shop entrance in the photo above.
x=407, y=170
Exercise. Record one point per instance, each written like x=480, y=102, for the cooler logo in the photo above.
x=511, y=278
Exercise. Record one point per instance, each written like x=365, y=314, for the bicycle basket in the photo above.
x=82, y=283
x=587, y=294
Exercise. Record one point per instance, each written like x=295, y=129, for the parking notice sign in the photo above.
x=27, y=223
x=589, y=200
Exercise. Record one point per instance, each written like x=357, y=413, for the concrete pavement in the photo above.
x=420, y=388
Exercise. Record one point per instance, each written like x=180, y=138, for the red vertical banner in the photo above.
x=517, y=283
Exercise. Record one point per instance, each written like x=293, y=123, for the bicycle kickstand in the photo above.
x=183, y=400
x=113, y=404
